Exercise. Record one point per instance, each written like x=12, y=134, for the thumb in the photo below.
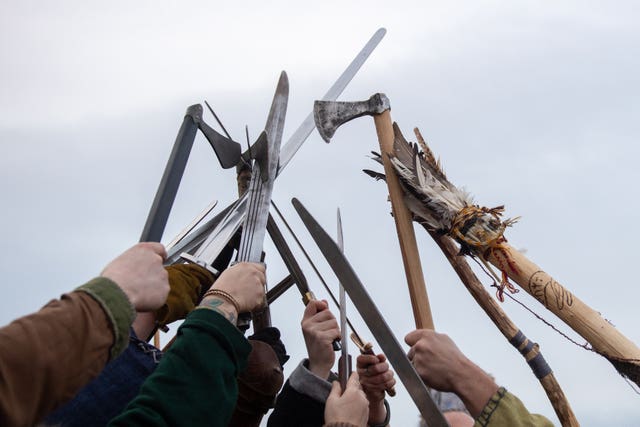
x=354, y=380
x=412, y=337
x=335, y=389
x=314, y=307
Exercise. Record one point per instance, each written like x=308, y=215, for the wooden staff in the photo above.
x=527, y=348
x=602, y=335
x=404, y=226
x=442, y=206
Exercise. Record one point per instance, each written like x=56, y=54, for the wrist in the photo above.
x=319, y=370
x=379, y=414
x=475, y=387
x=221, y=305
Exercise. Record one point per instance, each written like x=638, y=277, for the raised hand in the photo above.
x=348, y=406
x=444, y=367
x=320, y=328
x=140, y=274
x=375, y=378
x=245, y=282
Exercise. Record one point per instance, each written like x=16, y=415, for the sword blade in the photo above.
x=373, y=318
x=191, y=225
x=220, y=233
x=345, y=366
x=262, y=178
x=308, y=125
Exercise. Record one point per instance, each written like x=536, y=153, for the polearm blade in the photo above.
x=263, y=175
x=170, y=181
x=227, y=151
x=374, y=320
x=212, y=242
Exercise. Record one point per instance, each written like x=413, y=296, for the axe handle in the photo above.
x=404, y=227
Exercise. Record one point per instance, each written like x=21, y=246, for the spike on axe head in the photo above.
x=227, y=150
x=330, y=115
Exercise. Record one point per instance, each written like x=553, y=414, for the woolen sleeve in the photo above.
x=48, y=356
x=505, y=409
x=302, y=399
x=195, y=382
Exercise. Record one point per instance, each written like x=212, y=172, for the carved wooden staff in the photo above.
x=529, y=350
x=439, y=205
x=331, y=115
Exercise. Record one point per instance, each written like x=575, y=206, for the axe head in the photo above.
x=330, y=115
x=227, y=150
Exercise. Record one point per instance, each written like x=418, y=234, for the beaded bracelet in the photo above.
x=385, y=423
x=223, y=294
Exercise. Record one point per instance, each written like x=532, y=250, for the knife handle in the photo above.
x=367, y=348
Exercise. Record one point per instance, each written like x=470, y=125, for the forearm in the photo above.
x=47, y=357
x=475, y=387
x=377, y=413
x=302, y=399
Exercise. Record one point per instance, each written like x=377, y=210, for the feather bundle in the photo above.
x=439, y=204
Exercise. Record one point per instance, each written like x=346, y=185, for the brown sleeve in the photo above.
x=48, y=356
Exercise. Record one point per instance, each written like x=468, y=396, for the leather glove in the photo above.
x=188, y=282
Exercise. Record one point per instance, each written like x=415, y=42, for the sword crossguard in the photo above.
x=190, y=258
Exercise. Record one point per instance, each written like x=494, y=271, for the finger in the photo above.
x=261, y=267
x=310, y=310
x=262, y=277
x=377, y=379
x=412, y=337
x=324, y=305
x=324, y=315
x=364, y=360
x=328, y=336
x=378, y=368
x=157, y=248
x=411, y=353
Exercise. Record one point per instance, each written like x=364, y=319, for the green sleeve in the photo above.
x=117, y=307
x=195, y=382
x=505, y=409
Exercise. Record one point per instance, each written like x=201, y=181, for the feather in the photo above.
x=373, y=174
x=436, y=202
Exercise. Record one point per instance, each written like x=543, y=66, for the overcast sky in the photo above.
x=529, y=104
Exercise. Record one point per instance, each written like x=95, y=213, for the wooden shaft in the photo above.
x=504, y=324
x=603, y=337
x=156, y=339
x=404, y=227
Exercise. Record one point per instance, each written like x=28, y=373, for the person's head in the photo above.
x=452, y=409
